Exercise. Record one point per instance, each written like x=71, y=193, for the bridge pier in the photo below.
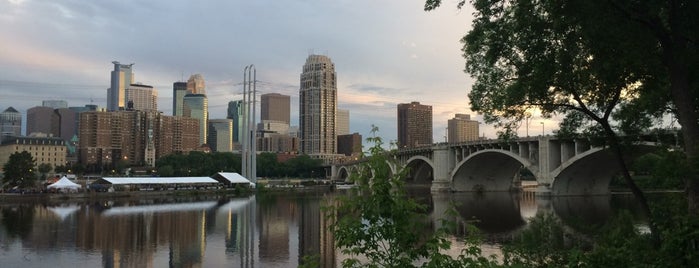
x=442, y=166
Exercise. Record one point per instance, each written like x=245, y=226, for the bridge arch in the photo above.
x=420, y=170
x=343, y=173
x=590, y=173
x=491, y=170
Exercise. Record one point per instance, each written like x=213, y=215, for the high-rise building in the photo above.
x=343, y=122
x=414, y=125
x=10, y=123
x=221, y=135
x=462, y=128
x=196, y=85
x=318, y=106
x=179, y=89
x=67, y=123
x=197, y=106
x=141, y=97
x=235, y=113
x=136, y=137
x=56, y=104
x=122, y=77
x=276, y=107
x=349, y=144
x=41, y=119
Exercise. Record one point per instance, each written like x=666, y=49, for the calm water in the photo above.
x=274, y=230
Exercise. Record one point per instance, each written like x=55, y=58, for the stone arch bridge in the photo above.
x=560, y=166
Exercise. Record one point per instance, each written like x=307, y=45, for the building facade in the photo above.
x=461, y=128
x=343, y=122
x=318, y=106
x=197, y=106
x=276, y=107
x=235, y=113
x=196, y=84
x=122, y=77
x=134, y=137
x=179, y=89
x=56, y=104
x=141, y=98
x=349, y=144
x=10, y=123
x=41, y=119
x=45, y=150
x=414, y=125
x=221, y=135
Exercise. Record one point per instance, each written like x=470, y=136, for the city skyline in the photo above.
x=381, y=60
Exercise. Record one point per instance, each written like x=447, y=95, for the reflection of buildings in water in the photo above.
x=239, y=217
x=129, y=237
x=273, y=222
x=315, y=237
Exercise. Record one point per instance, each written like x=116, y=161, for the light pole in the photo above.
x=527, y=119
x=542, y=128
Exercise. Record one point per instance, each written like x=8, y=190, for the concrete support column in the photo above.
x=333, y=172
x=441, y=162
x=543, y=177
x=441, y=204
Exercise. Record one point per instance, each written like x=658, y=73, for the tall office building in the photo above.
x=195, y=84
x=141, y=97
x=10, y=123
x=235, y=113
x=122, y=77
x=41, y=119
x=276, y=107
x=221, y=135
x=343, y=122
x=349, y=144
x=318, y=106
x=197, y=106
x=461, y=128
x=414, y=125
x=179, y=89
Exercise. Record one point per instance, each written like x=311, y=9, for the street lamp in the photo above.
x=542, y=128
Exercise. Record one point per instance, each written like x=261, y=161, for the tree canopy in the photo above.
x=20, y=171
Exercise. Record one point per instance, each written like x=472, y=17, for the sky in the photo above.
x=385, y=53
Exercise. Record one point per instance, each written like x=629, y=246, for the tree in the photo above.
x=655, y=40
x=545, y=55
x=380, y=222
x=19, y=170
x=43, y=169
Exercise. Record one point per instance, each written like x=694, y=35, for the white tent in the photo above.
x=64, y=184
x=232, y=178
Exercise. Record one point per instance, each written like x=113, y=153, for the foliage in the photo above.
x=207, y=164
x=43, y=169
x=19, y=170
x=548, y=242
x=379, y=222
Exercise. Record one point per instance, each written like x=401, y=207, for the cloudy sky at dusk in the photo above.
x=385, y=52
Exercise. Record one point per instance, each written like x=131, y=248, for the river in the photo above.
x=270, y=230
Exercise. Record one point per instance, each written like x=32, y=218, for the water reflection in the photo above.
x=275, y=230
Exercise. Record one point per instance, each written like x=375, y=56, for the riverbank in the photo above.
x=81, y=196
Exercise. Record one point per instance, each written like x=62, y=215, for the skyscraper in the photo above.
x=221, y=135
x=195, y=84
x=141, y=97
x=343, y=122
x=414, y=125
x=10, y=123
x=462, y=128
x=179, y=89
x=122, y=77
x=235, y=113
x=276, y=107
x=197, y=106
x=41, y=119
x=318, y=106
